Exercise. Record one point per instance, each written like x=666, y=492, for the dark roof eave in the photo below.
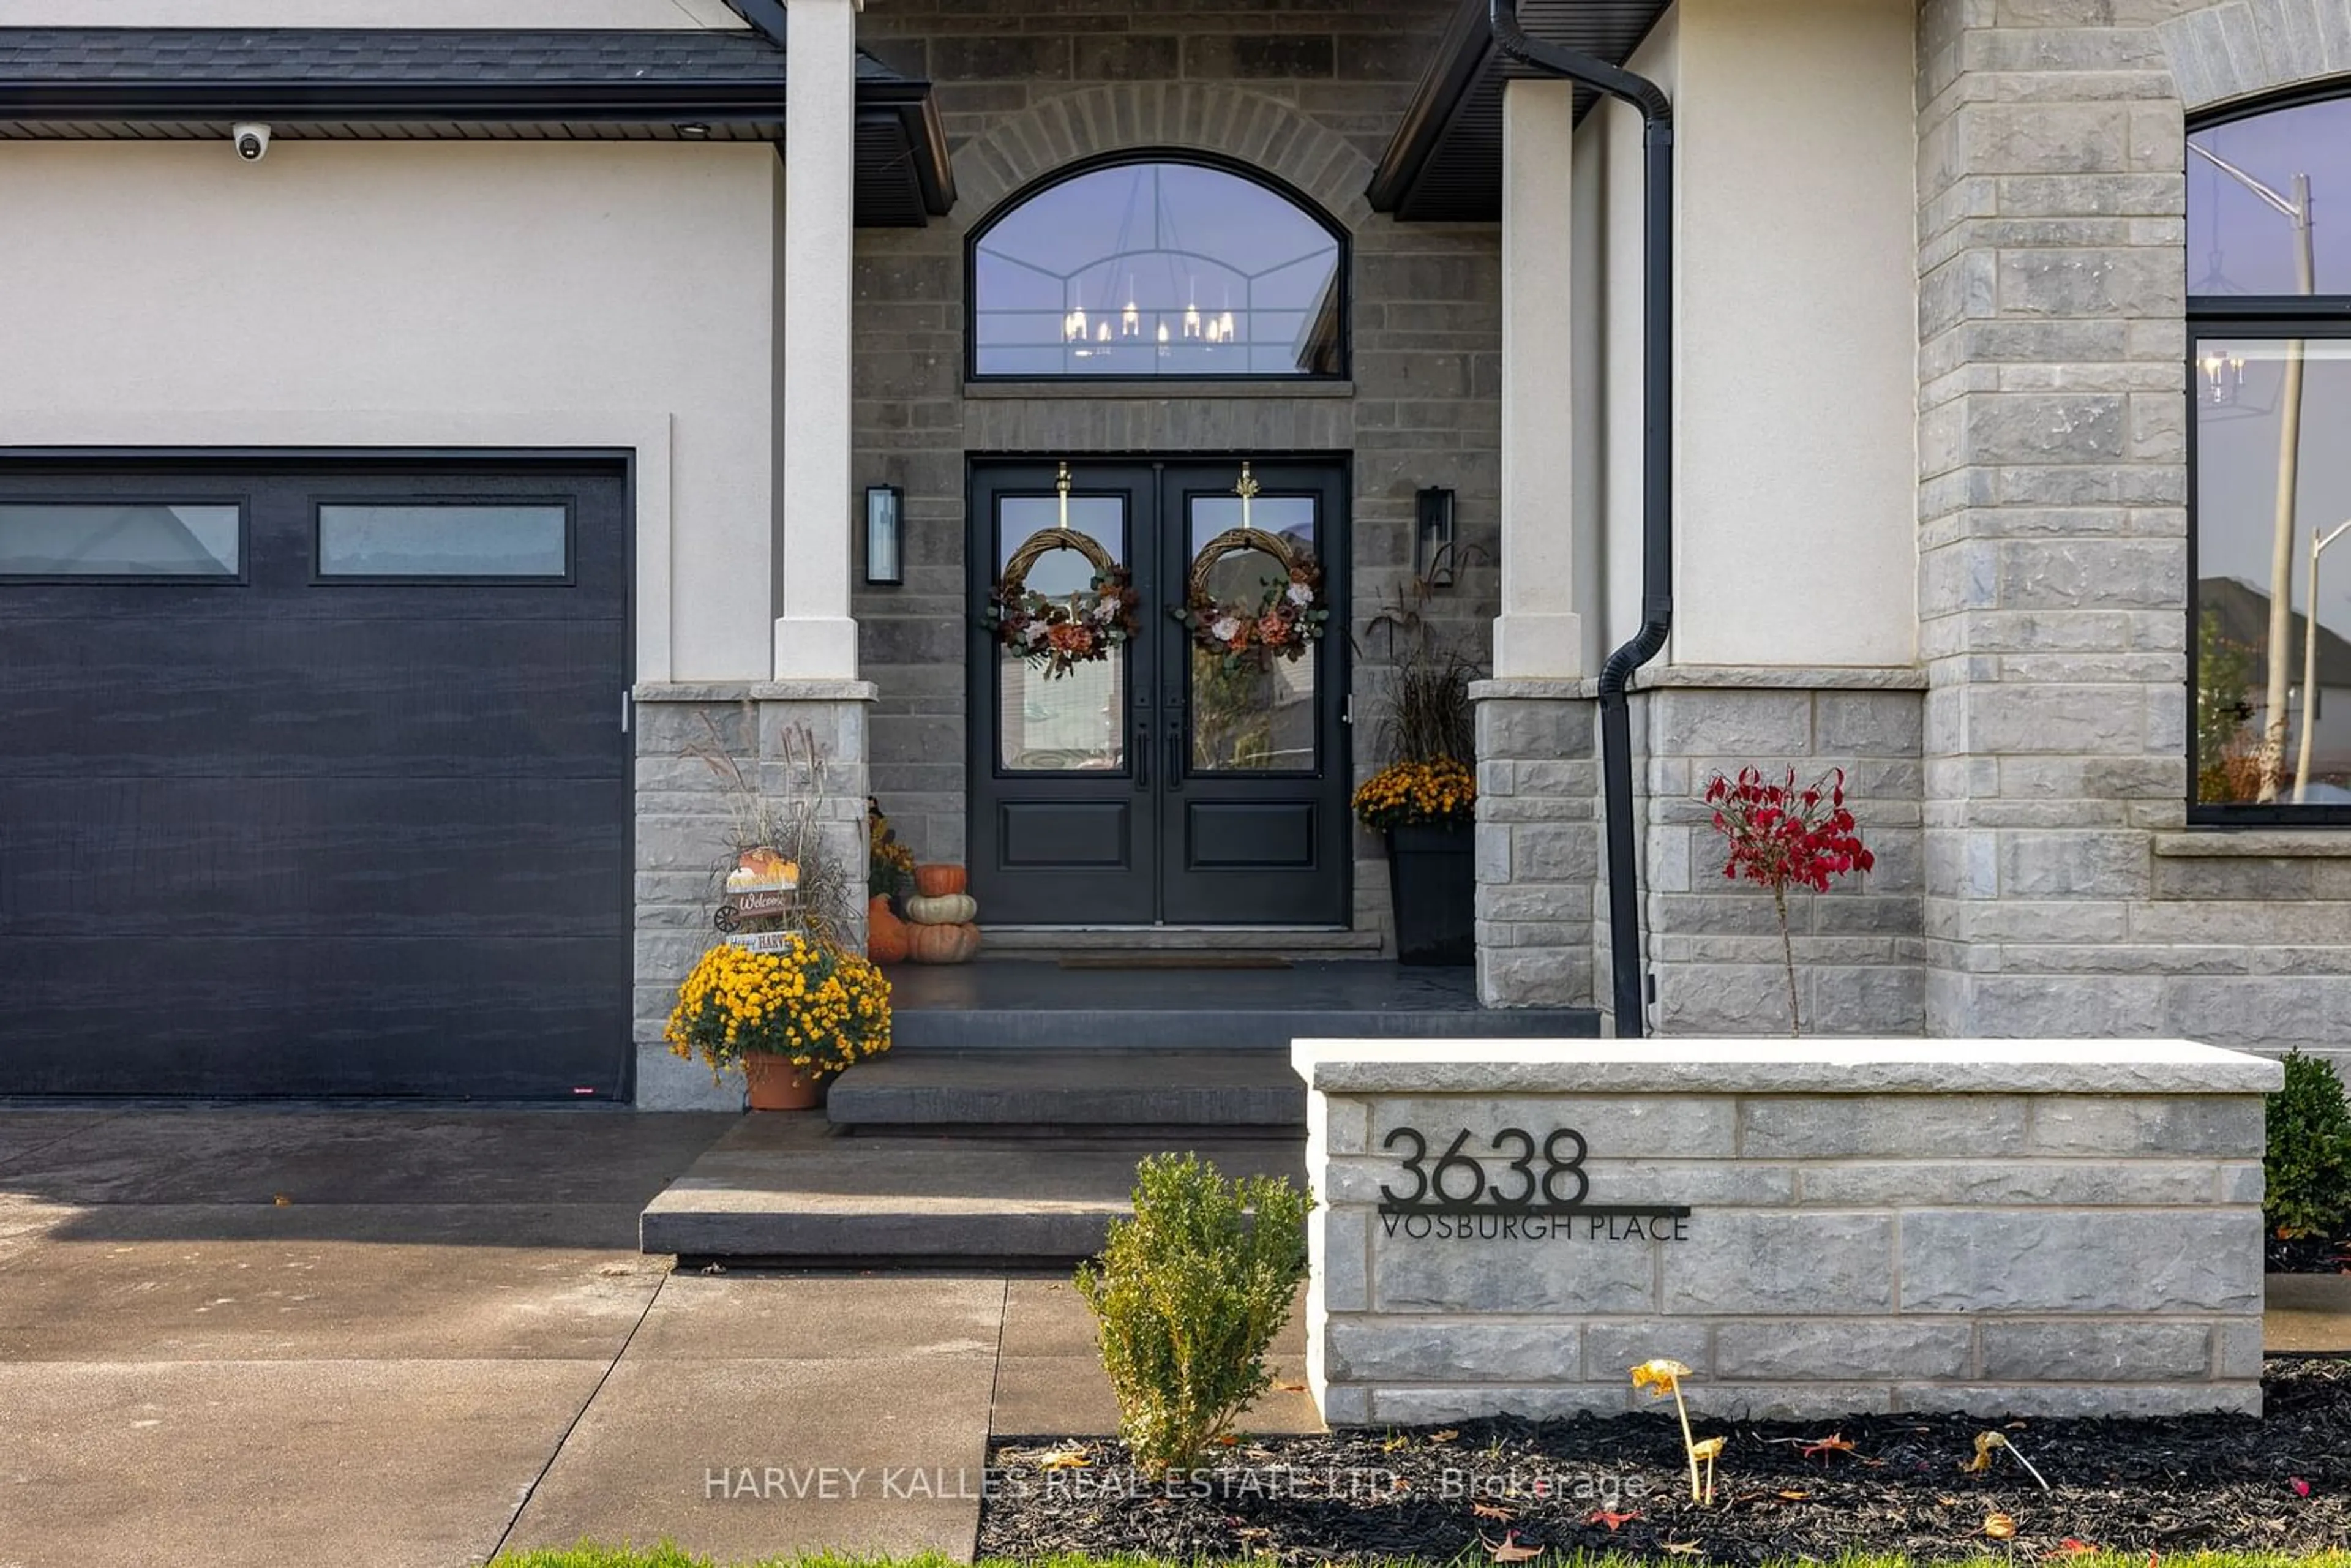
x=926, y=138
x=1462, y=53
x=500, y=102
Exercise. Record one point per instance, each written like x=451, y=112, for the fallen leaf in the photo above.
x=1682, y=1548
x=1985, y=1443
x=1491, y=1511
x=1835, y=1443
x=2069, y=1547
x=1292, y=1388
x=1999, y=1526
x=1613, y=1519
x=1707, y=1447
x=1229, y=1440
x=1392, y=1444
x=1508, y=1549
x=1065, y=1460
x=1399, y=1484
x=1792, y=1496
x=282, y=1201
x=1942, y=1501
x=1447, y=1435
x=2301, y=1486
x=2017, y=1426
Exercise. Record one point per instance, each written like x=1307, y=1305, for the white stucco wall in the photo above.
x=540, y=294
x=1796, y=330
x=1797, y=493
x=367, y=13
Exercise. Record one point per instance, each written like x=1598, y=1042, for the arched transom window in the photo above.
x=1158, y=266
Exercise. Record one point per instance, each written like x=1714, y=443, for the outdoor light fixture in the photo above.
x=695, y=131
x=885, y=556
x=1432, y=537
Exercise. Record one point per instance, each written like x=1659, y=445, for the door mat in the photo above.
x=1173, y=961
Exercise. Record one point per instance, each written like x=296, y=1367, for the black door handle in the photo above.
x=1143, y=756
x=1175, y=756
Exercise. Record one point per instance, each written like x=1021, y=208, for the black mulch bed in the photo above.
x=2309, y=1256
x=2168, y=1485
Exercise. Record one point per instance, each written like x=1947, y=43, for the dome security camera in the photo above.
x=252, y=140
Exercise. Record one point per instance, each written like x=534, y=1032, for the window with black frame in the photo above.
x=2270, y=378
x=1156, y=265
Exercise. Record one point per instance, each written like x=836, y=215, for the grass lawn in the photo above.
x=589, y=1556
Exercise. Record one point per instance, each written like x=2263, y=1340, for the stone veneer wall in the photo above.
x=2035, y=1229
x=682, y=811
x=1312, y=93
x=2061, y=889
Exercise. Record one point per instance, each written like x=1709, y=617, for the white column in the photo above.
x=815, y=638
x=1538, y=633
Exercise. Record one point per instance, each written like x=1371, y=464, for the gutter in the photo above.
x=1656, y=486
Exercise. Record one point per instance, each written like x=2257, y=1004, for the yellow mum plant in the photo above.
x=1412, y=794
x=818, y=1006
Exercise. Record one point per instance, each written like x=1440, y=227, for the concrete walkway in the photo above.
x=444, y=1342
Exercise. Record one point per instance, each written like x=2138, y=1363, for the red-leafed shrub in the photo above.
x=1784, y=835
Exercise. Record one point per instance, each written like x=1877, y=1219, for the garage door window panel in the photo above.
x=444, y=541
x=138, y=539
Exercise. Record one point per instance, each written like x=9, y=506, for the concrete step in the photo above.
x=1053, y=1092
x=783, y=1190
x=1029, y=1005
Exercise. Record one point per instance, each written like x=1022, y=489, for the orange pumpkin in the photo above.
x=886, y=934
x=938, y=881
x=941, y=944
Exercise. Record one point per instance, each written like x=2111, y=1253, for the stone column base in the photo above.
x=684, y=809
x=1538, y=842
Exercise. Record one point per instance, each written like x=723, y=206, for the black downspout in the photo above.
x=1656, y=483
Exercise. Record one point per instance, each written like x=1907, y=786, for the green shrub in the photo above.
x=1187, y=1296
x=2309, y=1163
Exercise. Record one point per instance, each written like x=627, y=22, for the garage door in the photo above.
x=313, y=780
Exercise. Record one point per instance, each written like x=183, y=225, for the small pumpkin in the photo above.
x=941, y=944
x=947, y=909
x=938, y=881
x=886, y=934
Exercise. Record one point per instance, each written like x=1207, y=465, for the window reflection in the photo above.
x=1077, y=721
x=2259, y=737
x=1157, y=269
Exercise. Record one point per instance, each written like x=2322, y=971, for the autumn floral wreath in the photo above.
x=1283, y=622
x=1056, y=634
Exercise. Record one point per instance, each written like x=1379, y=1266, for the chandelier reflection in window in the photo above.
x=1158, y=268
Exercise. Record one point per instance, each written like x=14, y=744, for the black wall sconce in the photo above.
x=886, y=535
x=1432, y=538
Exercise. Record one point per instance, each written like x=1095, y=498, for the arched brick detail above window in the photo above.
x=2250, y=48
x=1199, y=115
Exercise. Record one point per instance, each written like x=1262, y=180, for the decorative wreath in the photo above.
x=1288, y=618
x=1057, y=634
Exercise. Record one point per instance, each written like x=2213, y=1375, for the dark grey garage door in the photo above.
x=313, y=780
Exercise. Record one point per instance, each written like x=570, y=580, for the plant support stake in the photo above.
x=1656, y=481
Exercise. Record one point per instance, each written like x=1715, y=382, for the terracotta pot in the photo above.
x=776, y=1084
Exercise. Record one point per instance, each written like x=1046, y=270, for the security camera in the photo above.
x=252, y=141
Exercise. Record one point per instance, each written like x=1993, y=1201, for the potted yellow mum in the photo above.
x=789, y=1018
x=1428, y=811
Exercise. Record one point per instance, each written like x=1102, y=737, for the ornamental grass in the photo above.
x=811, y=1003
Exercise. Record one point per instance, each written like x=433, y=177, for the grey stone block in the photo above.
x=1786, y=1401
x=1420, y=1407
x=2151, y=1260
x=1809, y=1350
x=1612, y=1349
x=2096, y=1352
x=1797, y=1261
x=2148, y=1125
x=2049, y=1400
x=2010, y=1183
x=1433, y=1350
x=1919, y=1125
x=1565, y=1275
x=1340, y=1243
x=1615, y=1126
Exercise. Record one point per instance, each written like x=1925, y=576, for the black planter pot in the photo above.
x=1433, y=880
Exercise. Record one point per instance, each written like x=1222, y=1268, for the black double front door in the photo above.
x=1170, y=783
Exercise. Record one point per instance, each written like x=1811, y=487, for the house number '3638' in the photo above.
x=1455, y=1181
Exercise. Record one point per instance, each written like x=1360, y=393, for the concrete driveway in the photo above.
x=276, y=1336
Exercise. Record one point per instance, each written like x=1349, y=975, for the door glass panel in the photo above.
x=1252, y=712
x=119, y=538
x=1075, y=721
